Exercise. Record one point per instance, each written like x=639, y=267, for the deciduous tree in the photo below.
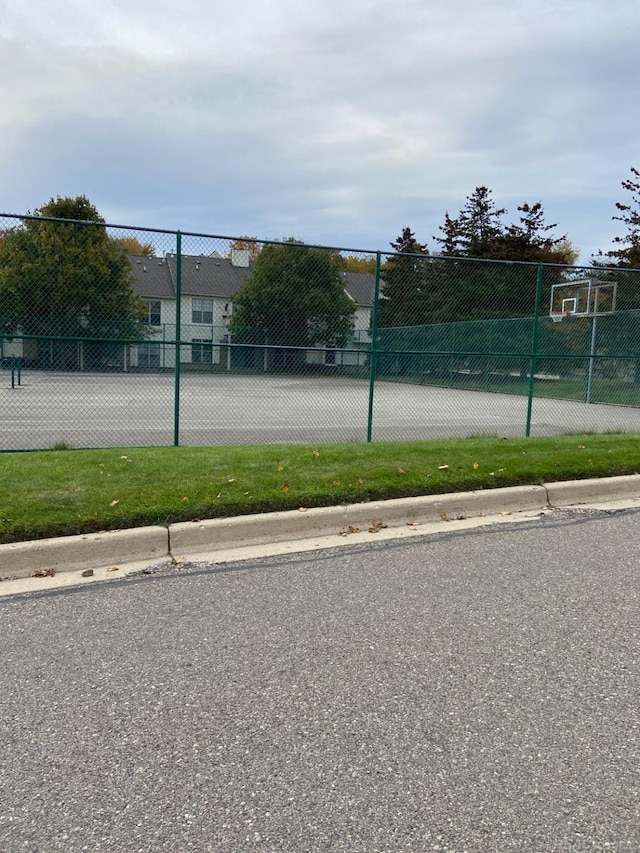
x=294, y=298
x=133, y=246
x=250, y=244
x=67, y=279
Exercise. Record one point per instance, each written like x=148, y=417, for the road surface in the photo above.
x=473, y=691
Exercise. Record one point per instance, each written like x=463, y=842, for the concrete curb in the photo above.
x=154, y=544
x=197, y=537
x=88, y=551
x=574, y=492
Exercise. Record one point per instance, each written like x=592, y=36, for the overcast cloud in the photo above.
x=335, y=122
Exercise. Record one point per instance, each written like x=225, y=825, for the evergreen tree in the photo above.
x=474, y=233
x=404, y=283
x=530, y=240
x=627, y=251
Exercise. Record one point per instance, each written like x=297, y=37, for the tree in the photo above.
x=452, y=241
x=133, y=246
x=474, y=232
x=529, y=240
x=356, y=263
x=472, y=289
x=627, y=253
x=67, y=280
x=478, y=232
x=623, y=262
x=404, y=289
x=293, y=298
x=250, y=244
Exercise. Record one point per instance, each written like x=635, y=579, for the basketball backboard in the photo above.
x=587, y=297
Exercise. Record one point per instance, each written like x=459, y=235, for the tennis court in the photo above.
x=127, y=410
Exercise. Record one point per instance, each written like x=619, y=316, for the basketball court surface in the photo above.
x=130, y=410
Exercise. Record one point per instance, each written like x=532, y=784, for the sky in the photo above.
x=338, y=123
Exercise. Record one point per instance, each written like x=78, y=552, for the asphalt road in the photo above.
x=475, y=691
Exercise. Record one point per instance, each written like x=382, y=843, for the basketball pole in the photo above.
x=592, y=347
x=534, y=349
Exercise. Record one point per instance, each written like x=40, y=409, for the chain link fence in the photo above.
x=120, y=337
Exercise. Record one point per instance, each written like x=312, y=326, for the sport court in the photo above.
x=130, y=410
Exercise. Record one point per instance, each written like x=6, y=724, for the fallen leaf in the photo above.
x=401, y=471
x=506, y=512
x=180, y=560
x=442, y=467
x=113, y=503
x=444, y=516
x=185, y=500
x=302, y=509
x=475, y=466
x=113, y=569
x=280, y=467
x=284, y=487
x=336, y=482
x=581, y=447
x=361, y=481
x=42, y=573
x=316, y=453
x=232, y=480
x=353, y=529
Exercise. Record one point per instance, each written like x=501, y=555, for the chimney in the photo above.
x=240, y=257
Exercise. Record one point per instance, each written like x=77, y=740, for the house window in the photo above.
x=202, y=311
x=201, y=351
x=153, y=312
x=149, y=355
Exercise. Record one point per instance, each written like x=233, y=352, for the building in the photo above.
x=208, y=285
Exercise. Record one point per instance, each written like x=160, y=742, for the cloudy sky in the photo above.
x=334, y=121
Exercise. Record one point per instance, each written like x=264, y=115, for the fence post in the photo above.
x=534, y=347
x=373, y=348
x=592, y=353
x=176, y=390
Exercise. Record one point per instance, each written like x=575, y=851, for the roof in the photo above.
x=361, y=287
x=155, y=278
x=151, y=277
x=205, y=276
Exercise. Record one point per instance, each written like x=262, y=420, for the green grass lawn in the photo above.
x=59, y=492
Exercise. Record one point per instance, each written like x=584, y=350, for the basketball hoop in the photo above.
x=558, y=318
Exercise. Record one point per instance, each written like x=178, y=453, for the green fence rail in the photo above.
x=141, y=337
